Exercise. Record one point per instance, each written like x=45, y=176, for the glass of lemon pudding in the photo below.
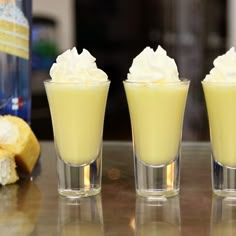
x=77, y=97
x=220, y=94
x=156, y=100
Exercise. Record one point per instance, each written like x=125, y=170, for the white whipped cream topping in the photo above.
x=152, y=65
x=71, y=66
x=9, y=133
x=224, y=68
x=5, y=169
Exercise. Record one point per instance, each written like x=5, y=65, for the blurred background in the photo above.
x=194, y=33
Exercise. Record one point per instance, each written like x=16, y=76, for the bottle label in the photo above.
x=14, y=30
x=16, y=103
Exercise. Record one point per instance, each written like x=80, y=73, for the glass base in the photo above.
x=79, y=181
x=223, y=179
x=78, y=193
x=157, y=182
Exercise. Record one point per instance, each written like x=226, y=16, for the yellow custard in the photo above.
x=221, y=108
x=156, y=112
x=77, y=111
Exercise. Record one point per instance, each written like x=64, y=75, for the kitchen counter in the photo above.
x=33, y=206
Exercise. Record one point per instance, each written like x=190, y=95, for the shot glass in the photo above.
x=83, y=216
x=221, y=108
x=153, y=217
x=156, y=112
x=77, y=112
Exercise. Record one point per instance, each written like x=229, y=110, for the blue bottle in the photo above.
x=15, y=63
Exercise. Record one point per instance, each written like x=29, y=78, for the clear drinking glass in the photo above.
x=82, y=216
x=221, y=108
x=156, y=112
x=153, y=217
x=77, y=112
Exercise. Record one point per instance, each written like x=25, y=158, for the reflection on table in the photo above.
x=33, y=207
x=157, y=217
x=20, y=207
x=80, y=216
x=223, y=216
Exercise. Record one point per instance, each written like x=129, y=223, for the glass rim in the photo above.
x=83, y=82
x=219, y=83
x=161, y=82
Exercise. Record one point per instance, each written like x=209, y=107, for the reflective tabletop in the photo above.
x=33, y=207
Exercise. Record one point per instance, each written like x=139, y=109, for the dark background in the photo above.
x=193, y=32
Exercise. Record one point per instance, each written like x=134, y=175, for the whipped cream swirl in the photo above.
x=74, y=67
x=152, y=65
x=224, y=68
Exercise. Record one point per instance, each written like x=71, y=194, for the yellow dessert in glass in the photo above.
x=77, y=112
x=77, y=95
x=220, y=94
x=156, y=99
x=219, y=88
x=220, y=100
x=156, y=111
